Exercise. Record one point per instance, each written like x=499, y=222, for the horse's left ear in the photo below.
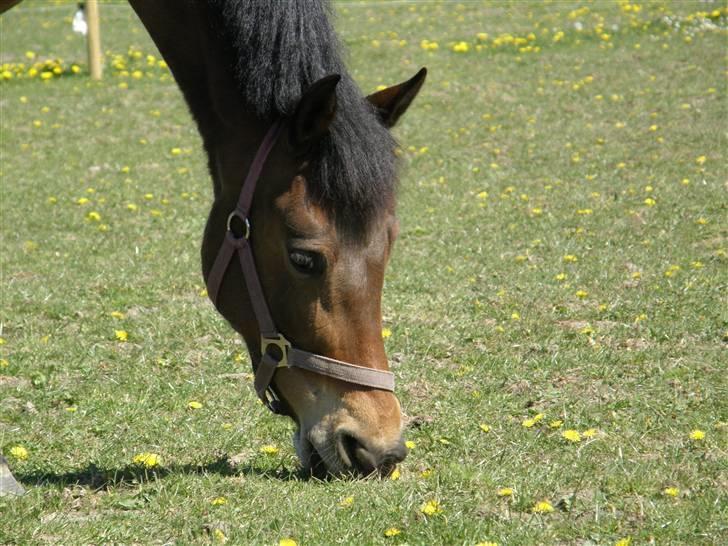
x=392, y=102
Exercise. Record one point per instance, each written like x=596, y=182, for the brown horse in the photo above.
x=322, y=216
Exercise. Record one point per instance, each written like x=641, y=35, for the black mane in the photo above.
x=277, y=49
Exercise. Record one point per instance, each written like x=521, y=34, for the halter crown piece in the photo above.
x=275, y=349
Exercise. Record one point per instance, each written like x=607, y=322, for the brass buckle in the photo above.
x=283, y=345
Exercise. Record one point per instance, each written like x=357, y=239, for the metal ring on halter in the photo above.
x=237, y=214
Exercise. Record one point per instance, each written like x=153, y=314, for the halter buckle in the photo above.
x=244, y=219
x=281, y=343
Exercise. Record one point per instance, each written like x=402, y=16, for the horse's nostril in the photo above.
x=355, y=455
x=363, y=461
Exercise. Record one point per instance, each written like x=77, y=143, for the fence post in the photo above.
x=94, y=39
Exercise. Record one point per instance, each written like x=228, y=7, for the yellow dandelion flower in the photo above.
x=269, y=449
x=571, y=435
x=19, y=452
x=219, y=536
x=287, y=542
x=650, y=202
x=504, y=492
x=431, y=508
x=590, y=433
x=392, y=532
x=697, y=435
x=94, y=216
x=218, y=501
x=515, y=315
x=700, y=160
x=395, y=475
x=487, y=543
x=561, y=277
x=461, y=47
x=147, y=460
x=194, y=404
x=82, y=200
x=386, y=333
x=570, y=258
x=484, y=427
x=671, y=491
x=175, y=151
x=4, y=363
x=346, y=501
x=410, y=444
x=121, y=335
x=542, y=507
x=626, y=541
x=117, y=314
x=556, y=423
x=581, y=294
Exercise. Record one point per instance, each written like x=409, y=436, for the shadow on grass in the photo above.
x=97, y=477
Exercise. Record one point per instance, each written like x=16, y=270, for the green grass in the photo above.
x=562, y=142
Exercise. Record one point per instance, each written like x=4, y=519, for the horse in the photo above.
x=304, y=176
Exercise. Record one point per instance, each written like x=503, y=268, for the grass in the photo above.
x=606, y=145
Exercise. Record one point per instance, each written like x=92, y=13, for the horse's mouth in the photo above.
x=316, y=466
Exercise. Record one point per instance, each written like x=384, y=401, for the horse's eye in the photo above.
x=306, y=262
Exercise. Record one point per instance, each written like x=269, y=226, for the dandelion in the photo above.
x=530, y=423
x=4, y=363
x=287, y=542
x=515, y=315
x=386, y=333
x=571, y=435
x=175, y=151
x=484, y=427
x=626, y=541
x=461, y=47
x=132, y=207
x=487, y=543
x=650, y=202
x=94, y=216
x=431, y=508
x=671, y=491
x=570, y=259
x=542, y=507
x=697, y=435
x=504, y=492
x=219, y=536
x=557, y=423
x=395, y=475
x=581, y=294
x=147, y=460
x=410, y=444
x=392, y=532
x=590, y=433
x=121, y=335
x=19, y=452
x=218, y=501
x=82, y=200
x=561, y=277
x=701, y=160
x=194, y=404
x=346, y=502
x=269, y=449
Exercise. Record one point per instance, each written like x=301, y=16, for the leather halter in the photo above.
x=275, y=349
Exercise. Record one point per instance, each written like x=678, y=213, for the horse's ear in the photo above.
x=315, y=112
x=392, y=102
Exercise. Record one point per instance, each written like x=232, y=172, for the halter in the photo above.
x=277, y=352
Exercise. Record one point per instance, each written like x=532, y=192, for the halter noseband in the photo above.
x=275, y=349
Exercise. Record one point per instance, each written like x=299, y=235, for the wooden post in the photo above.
x=93, y=39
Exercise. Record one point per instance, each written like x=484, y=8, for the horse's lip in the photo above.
x=316, y=467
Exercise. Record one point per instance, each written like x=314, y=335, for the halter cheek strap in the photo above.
x=275, y=349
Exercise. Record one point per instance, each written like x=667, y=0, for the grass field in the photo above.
x=556, y=301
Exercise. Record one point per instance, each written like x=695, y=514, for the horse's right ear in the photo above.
x=314, y=113
x=392, y=102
